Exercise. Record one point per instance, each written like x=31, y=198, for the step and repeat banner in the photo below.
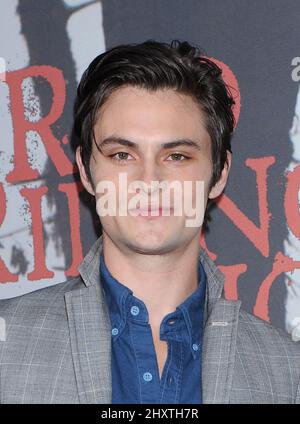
x=48, y=222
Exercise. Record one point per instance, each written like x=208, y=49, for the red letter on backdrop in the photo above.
x=281, y=265
x=5, y=275
x=72, y=191
x=259, y=236
x=232, y=273
x=34, y=197
x=22, y=170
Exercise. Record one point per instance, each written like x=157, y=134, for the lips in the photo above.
x=153, y=210
x=149, y=209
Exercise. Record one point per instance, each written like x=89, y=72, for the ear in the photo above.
x=217, y=189
x=84, y=179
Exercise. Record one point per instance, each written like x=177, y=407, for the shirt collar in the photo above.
x=185, y=323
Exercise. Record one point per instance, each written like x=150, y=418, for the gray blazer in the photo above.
x=58, y=346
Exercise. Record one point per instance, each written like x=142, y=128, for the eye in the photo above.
x=177, y=155
x=123, y=156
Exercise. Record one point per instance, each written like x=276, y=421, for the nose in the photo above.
x=150, y=172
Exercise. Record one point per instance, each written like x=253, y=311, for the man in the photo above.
x=146, y=321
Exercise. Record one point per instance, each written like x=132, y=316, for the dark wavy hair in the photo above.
x=153, y=66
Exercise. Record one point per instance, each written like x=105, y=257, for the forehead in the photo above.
x=136, y=112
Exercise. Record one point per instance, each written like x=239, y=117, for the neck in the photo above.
x=162, y=282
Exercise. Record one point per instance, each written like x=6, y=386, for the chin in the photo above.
x=151, y=242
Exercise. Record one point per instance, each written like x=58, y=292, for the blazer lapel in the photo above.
x=219, y=337
x=90, y=335
x=90, y=332
x=219, y=346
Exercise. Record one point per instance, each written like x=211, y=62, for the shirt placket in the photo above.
x=144, y=351
x=171, y=382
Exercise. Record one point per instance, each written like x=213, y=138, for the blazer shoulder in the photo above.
x=266, y=338
x=267, y=363
x=38, y=302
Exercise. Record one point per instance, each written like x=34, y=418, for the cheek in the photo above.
x=106, y=200
x=99, y=167
x=202, y=171
x=101, y=173
x=201, y=185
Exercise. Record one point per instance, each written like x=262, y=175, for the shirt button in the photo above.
x=195, y=347
x=135, y=310
x=147, y=376
x=114, y=331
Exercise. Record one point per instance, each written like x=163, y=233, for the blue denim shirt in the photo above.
x=135, y=374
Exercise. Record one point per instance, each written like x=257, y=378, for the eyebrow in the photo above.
x=123, y=142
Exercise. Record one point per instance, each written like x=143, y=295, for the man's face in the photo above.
x=149, y=120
